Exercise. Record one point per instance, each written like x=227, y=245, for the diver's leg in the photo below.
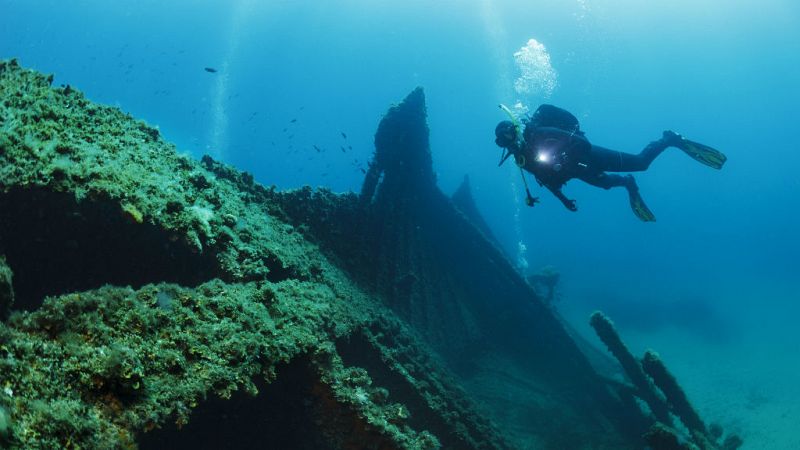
x=607, y=181
x=615, y=161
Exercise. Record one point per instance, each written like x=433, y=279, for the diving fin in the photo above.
x=637, y=204
x=639, y=207
x=700, y=152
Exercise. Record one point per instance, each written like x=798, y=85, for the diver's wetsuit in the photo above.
x=603, y=160
x=556, y=151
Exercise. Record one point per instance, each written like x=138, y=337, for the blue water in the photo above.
x=713, y=284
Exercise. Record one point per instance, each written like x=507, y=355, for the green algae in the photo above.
x=57, y=138
x=113, y=361
x=138, y=364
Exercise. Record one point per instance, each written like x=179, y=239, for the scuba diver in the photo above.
x=552, y=147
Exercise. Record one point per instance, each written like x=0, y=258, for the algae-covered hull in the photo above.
x=152, y=296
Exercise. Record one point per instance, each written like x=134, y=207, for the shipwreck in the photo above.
x=151, y=300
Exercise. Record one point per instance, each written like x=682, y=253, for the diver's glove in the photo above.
x=531, y=200
x=570, y=204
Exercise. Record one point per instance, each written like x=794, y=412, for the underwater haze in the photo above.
x=292, y=92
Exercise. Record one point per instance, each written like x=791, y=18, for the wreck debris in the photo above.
x=546, y=279
x=674, y=394
x=608, y=334
x=663, y=395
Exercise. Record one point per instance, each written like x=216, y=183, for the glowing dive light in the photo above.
x=548, y=155
x=543, y=157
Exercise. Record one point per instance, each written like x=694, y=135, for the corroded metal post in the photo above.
x=608, y=334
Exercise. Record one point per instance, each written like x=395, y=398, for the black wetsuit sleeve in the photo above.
x=569, y=204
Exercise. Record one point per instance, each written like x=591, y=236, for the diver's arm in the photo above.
x=570, y=204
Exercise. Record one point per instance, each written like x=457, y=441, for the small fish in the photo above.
x=349, y=147
x=317, y=148
x=343, y=135
x=363, y=171
x=343, y=150
x=210, y=69
x=293, y=121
